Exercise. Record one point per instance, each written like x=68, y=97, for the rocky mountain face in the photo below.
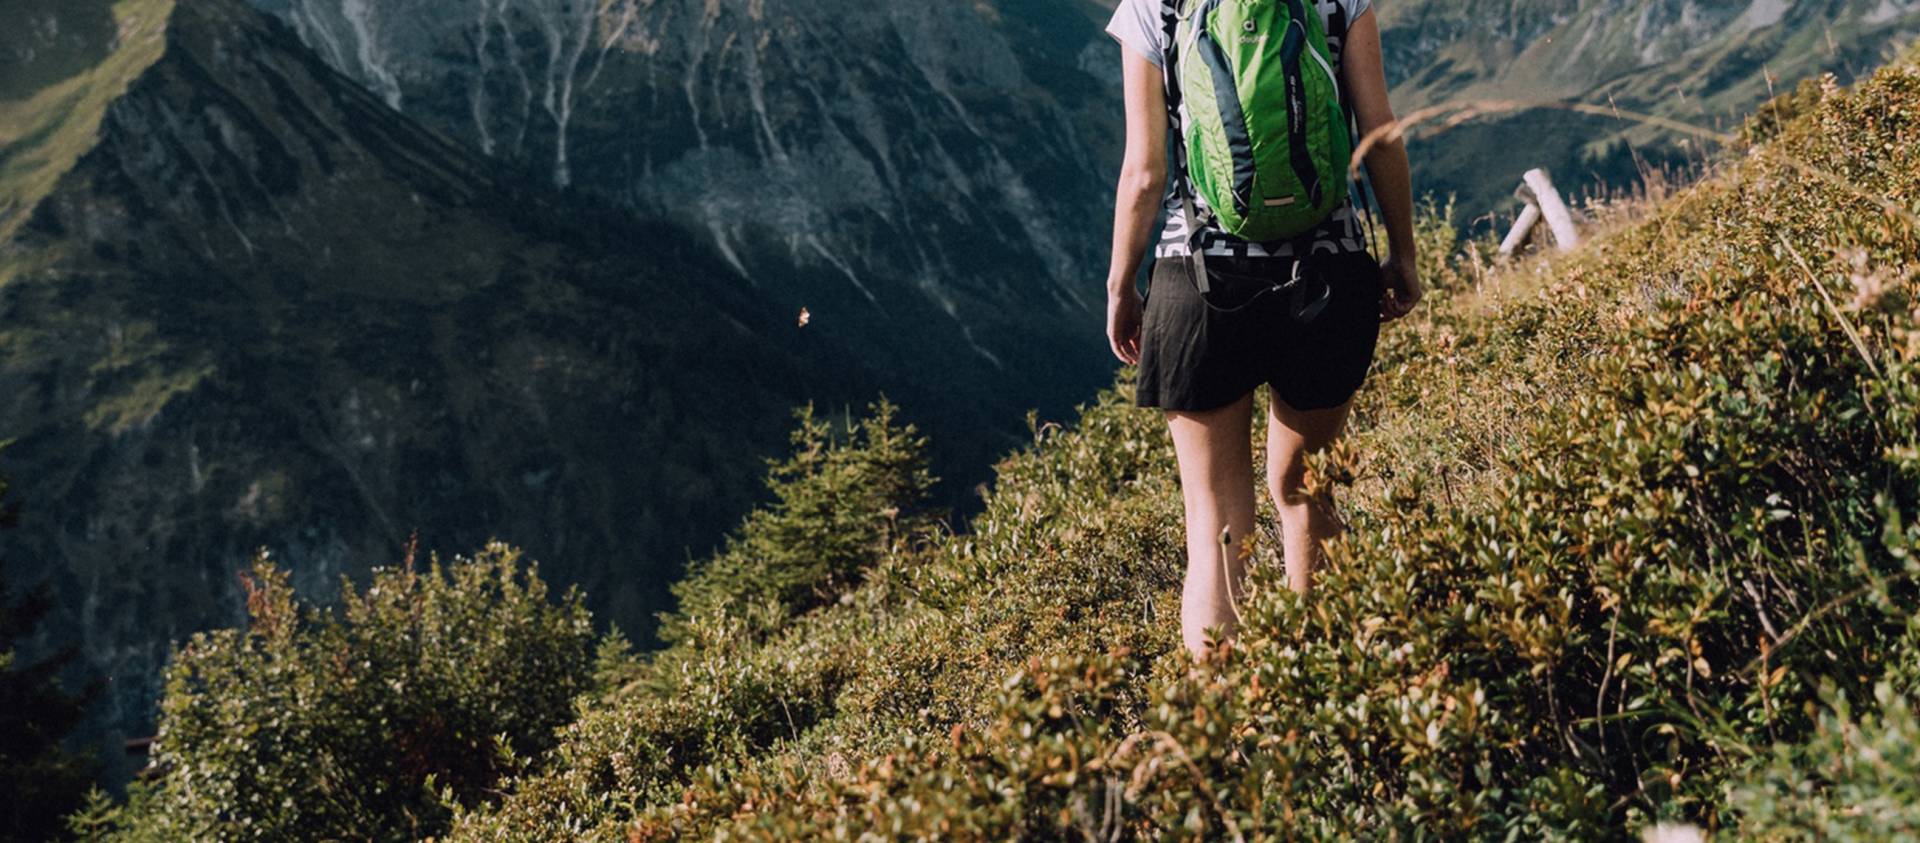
x=929, y=175
x=1682, y=57
x=893, y=142
x=244, y=304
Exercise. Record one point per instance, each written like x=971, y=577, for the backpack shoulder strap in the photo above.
x=1169, y=24
x=1170, y=11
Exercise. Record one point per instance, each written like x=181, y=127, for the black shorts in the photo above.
x=1195, y=358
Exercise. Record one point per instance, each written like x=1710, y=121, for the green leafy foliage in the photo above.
x=1070, y=555
x=1622, y=526
x=1631, y=540
x=838, y=507
x=372, y=722
x=1856, y=778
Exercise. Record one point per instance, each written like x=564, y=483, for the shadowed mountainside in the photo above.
x=244, y=303
x=897, y=140
x=932, y=176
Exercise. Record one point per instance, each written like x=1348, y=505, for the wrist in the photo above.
x=1122, y=287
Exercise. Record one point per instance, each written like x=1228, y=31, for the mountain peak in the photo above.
x=62, y=69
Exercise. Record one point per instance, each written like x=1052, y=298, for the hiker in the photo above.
x=1262, y=273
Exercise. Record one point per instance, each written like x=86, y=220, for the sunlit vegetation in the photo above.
x=1632, y=540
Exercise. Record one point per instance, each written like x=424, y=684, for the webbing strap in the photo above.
x=1196, y=256
x=1292, y=50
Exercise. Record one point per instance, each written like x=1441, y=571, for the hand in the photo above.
x=1123, y=324
x=1401, y=289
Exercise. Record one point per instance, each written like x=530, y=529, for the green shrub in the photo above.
x=372, y=722
x=1612, y=536
x=1857, y=778
x=1073, y=550
x=752, y=662
x=842, y=500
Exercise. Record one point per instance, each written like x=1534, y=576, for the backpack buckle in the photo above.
x=1301, y=307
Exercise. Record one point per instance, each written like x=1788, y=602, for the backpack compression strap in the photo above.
x=1293, y=48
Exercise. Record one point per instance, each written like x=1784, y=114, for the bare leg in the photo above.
x=1305, y=522
x=1215, y=450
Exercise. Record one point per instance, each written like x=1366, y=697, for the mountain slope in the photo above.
x=243, y=303
x=859, y=131
x=1702, y=62
x=65, y=65
x=1687, y=57
x=927, y=178
x=1619, y=523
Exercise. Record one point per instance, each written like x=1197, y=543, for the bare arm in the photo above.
x=1364, y=76
x=1143, y=173
x=1143, y=181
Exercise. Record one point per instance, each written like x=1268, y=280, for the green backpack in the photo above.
x=1266, y=142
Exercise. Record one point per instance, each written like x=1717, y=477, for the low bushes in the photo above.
x=1623, y=569
x=1632, y=541
x=373, y=722
x=1855, y=778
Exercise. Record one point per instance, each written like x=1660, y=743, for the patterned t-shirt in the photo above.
x=1140, y=25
